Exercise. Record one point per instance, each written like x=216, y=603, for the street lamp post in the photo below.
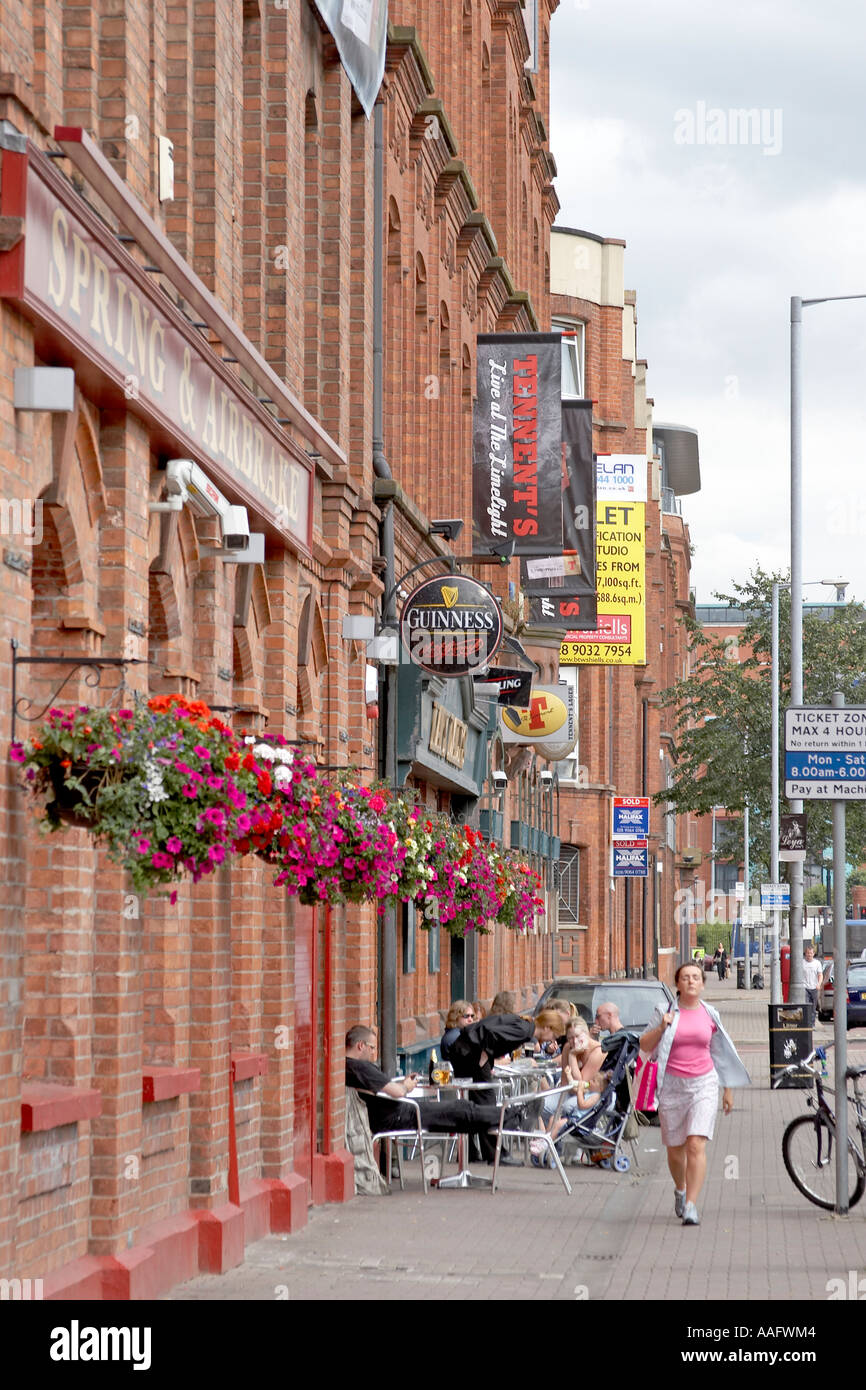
x=840, y=585
x=796, y=991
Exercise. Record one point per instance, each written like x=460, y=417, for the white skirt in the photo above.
x=687, y=1105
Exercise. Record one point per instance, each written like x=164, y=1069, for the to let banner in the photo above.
x=517, y=445
x=619, y=638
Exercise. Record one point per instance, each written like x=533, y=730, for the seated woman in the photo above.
x=582, y=1058
x=460, y=1015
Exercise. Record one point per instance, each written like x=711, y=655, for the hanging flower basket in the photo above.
x=170, y=790
x=165, y=786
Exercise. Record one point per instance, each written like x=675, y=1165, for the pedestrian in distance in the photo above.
x=694, y=1054
x=720, y=960
x=813, y=975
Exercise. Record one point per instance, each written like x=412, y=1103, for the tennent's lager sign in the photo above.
x=451, y=625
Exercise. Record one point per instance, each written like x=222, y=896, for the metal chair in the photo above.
x=417, y=1137
x=542, y=1135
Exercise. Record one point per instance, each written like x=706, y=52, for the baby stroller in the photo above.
x=600, y=1133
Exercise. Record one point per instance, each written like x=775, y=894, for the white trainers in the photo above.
x=690, y=1215
x=679, y=1202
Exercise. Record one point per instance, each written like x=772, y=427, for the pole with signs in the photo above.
x=825, y=759
x=840, y=993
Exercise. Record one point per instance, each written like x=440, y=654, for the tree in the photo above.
x=723, y=717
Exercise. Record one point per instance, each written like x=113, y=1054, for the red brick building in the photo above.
x=228, y=318
x=607, y=926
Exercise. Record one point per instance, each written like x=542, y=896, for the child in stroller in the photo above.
x=605, y=1105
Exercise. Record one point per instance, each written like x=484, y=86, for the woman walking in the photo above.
x=694, y=1054
x=720, y=961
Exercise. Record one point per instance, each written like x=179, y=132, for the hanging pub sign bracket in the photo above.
x=93, y=665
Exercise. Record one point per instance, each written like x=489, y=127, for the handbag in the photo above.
x=646, y=1076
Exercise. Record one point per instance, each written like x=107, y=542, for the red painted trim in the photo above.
x=178, y=1248
x=46, y=1106
x=13, y=203
x=234, y=1179
x=162, y=1083
x=247, y=1064
x=314, y=1011
x=327, y=1038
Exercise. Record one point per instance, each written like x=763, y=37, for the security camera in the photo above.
x=184, y=479
x=499, y=780
x=545, y=777
x=235, y=527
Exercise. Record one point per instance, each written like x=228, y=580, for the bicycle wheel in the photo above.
x=809, y=1151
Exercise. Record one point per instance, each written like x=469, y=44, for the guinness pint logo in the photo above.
x=451, y=629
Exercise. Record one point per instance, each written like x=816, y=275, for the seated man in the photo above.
x=607, y=1020
x=438, y=1116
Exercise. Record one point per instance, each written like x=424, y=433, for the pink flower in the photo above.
x=201, y=752
x=216, y=854
x=173, y=897
x=16, y=753
x=215, y=783
x=173, y=844
x=189, y=792
x=160, y=860
x=143, y=845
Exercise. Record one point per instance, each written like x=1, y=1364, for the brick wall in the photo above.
x=273, y=210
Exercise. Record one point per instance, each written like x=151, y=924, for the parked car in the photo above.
x=856, y=984
x=825, y=990
x=635, y=999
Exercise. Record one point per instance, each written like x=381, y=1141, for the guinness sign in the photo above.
x=451, y=625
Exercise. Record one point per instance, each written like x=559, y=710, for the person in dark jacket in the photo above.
x=720, y=961
x=472, y=1051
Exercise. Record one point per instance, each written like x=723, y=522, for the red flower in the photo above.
x=249, y=762
x=233, y=762
x=264, y=781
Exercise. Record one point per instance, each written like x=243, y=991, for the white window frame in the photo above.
x=573, y=355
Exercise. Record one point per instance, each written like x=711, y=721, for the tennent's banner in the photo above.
x=619, y=638
x=517, y=445
x=571, y=571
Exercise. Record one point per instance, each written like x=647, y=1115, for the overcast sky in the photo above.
x=720, y=235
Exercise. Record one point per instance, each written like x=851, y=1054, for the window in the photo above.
x=409, y=938
x=433, y=949
x=573, y=340
x=568, y=884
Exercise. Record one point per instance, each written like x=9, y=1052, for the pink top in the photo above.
x=690, y=1050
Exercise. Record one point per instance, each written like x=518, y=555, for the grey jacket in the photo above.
x=726, y=1061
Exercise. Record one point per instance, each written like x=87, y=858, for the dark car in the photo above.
x=635, y=999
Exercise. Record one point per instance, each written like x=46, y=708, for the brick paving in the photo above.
x=615, y=1237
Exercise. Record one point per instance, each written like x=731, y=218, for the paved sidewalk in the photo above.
x=615, y=1237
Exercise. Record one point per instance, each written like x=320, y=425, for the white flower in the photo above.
x=285, y=755
x=153, y=781
x=282, y=775
x=265, y=751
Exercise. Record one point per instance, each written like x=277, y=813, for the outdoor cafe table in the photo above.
x=464, y=1177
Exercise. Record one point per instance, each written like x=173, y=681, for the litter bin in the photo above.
x=741, y=974
x=790, y=1041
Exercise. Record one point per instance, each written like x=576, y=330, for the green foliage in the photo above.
x=723, y=717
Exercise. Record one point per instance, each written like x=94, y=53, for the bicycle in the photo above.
x=807, y=1143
